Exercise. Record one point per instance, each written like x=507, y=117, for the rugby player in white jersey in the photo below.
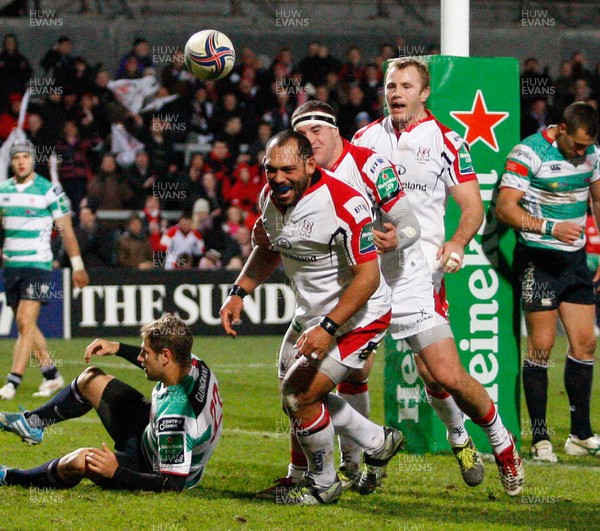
x=29, y=205
x=343, y=309
x=435, y=163
x=406, y=271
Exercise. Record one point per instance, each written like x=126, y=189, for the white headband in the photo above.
x=314, y=117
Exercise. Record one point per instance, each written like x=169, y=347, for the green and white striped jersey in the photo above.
x=185, y=424
x=555, y=188
x=28, y=211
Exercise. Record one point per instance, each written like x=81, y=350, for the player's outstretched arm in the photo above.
x=80, y=276
x=468, y=197
x=101, y=347
x=259, y=267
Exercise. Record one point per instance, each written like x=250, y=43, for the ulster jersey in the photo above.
x=375, y=176
x=555, y=188
x=430, y=158
x=319, y=239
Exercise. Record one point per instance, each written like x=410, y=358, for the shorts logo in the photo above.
x=367, y=239
x=387, y=183
x=282, y=242
x=367, y=351
x=554, y=167
x=306, y=229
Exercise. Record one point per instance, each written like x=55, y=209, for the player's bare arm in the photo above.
x=315, y=340
x=510, y=213
x=259, y=267
x=259, y=235
x=468, y=198
x=80, y=276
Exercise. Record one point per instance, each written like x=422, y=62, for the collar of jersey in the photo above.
x=21, y=187
x=345, y=150
x=410, y=127
x=321, y=177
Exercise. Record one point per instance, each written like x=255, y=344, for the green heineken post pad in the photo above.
x=479, y=99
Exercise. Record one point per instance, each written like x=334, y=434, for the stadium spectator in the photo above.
x=181, y=239
x=133, y=248
x=265, y=131
x=279, y=115
x=536, y=119
x=246, y=188
x=243, y=237
x=211, y=259
x=74, y=168
x=580, y=69
x=158, y=142
x=583, y=93
x=44, y=145
x=370, y=84
x=10, y=118
x=348, y=112
x=202, y=111
x=307, y=381
x=563, y=95
x=109, y=187
x=234, y=220
x=15, y=70
x=212, y=193
x=175, y=77
x=550, y=266
x=97, y=242
x=411, y=124
x=133, y=422
x=140, y=179
x=234, y=135
x=534, y=84
x=58, y=61
x=352, y=71
x=219, y=160
x=27, y=263
x=133, y=63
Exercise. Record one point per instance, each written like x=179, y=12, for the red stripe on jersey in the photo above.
x=358, y=339
x=362, y=131
x=411, y=126
x=171, y=473
x=351, y=388
x=517, y=167
x=547, y=137
x=341, y=193
x=440, y=301
x=460, y=177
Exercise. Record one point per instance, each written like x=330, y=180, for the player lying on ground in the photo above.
x=162, y=445
x=342, y=310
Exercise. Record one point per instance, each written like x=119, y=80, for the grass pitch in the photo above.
x=421, y=492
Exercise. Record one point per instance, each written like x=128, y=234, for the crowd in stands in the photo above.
x=118, y=138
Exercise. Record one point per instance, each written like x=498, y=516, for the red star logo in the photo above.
x=480, y=123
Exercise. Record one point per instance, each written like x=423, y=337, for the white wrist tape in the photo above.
x=77, y=263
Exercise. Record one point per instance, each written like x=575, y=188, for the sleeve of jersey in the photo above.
x=133, y=480
x=458, y=159
x=355, y=230
x=174, y=454
x=168, y=236
x=57, y=202
x=596, y=173
x=382, y=178
x=518, y=171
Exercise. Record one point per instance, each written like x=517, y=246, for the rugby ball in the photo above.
x=209, y=54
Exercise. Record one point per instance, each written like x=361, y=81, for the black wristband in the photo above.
x=237, y=290
x=329, y=326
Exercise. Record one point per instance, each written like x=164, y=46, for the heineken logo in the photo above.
x=387, y=183
x=480, y=123
x=367, y=239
